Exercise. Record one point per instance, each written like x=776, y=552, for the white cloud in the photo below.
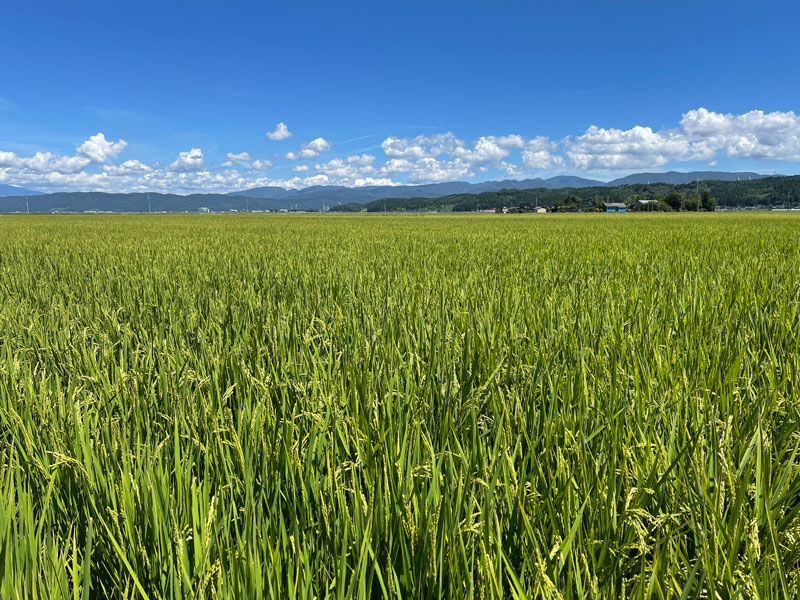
x=443, y=156
x=348, y=168
x=370, y=181
x=319, y=145
x=44, y=162
x=538, y=154
x=98, y=149
x=625, y=149
x=240, y=157
x=316, y=180
x=261, y=165
x=397, y=165
x=541, y=159
x=430, y=170
x=700, y=135
x=310, y=150
x=188, y=161
x=403, y=148
x=421, y=146
x=129, y=167
x=755, y=134
x=488, y=151
x=296, y=183
x=281, y=132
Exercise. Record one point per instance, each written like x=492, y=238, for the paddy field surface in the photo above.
x=298, y=406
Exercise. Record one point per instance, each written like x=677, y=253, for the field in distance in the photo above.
x=256, y=406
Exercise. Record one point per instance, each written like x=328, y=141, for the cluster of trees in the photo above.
x=676, y=201
x=770, y=192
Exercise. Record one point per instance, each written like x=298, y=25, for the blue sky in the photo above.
x=179, y=96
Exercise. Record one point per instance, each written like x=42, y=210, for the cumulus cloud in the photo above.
x=755, y=134
x=488, y=151
x=361, y=168
x=129, y=167
x=44, y=162
x=422, y=146
x=371, y=181
x=261, y=165
x=185, y=175
x=297, y=183
x=428, y=169
x=240, y=157
x=700, y=135
x=319, y=145
x=281, y=132
x=188, y=161
x=442, y=157
x=625, y=149
x=349, y=167
x=98, y=149
x=538, y=153
x=310, y=150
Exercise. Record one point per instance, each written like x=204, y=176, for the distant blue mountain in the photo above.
x=12, y=199
x=677, y=178
x=13, y=190
x=313, y=197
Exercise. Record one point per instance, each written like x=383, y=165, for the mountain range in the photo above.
x=312, y=198
x=12, y=199
x=14, y=190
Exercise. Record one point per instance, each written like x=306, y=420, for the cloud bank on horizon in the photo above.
x=701, y=137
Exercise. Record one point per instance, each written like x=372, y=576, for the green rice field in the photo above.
x=421, y=406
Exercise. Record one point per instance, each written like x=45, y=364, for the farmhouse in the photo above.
x=614, y=207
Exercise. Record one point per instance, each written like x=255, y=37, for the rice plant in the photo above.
x=577, y=406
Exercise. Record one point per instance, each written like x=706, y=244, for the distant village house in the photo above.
x=614, y=207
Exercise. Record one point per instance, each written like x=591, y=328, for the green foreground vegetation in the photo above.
x=554, y=406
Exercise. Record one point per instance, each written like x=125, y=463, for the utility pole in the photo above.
x=148, y=204
x=246, y=204
x=27, y=208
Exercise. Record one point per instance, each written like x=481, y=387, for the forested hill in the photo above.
x=769, y=192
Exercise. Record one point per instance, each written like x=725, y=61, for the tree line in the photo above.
x=770, y=192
